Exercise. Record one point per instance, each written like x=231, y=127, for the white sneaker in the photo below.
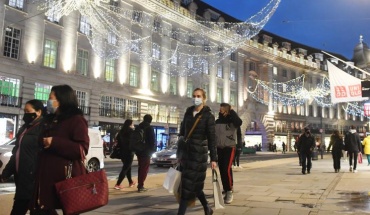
x=354, y=171
x=350, y=168
x=240, y=167
x=229, y=197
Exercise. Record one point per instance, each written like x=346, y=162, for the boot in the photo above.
x=208, y=210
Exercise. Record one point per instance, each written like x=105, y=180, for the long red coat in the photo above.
x=68, y=135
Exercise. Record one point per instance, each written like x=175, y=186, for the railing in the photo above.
x=85, y=109
x=106, y=112
x=11, y=101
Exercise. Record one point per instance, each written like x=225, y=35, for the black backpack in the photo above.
x=137, y=140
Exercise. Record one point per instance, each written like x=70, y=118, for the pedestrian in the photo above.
x=284, y=147
x=22, y=163
x=336, y=142
x=143, y=157
x=227, y=125
x=106, y=144
x=305, y=146
x=366, y=144
x=193, y=156
x=274, y=147
x=127, y=156
x=353, y=146
x=239, y=147
x=322, y=149
x=65, y=137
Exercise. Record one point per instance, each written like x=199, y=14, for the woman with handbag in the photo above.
x=336, y=141
x=192, y=153
x=127, y=156
x=65, y=135
x=22, y=163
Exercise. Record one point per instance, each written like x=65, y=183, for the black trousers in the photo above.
x=20, y=207
x=306, y=158
x=336, y=159
x=225, y=160
x=353, y=155
x=237, y=157
x=184, y=203
x=126, y=168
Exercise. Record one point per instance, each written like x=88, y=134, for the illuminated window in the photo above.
x=82, y=66
x=232, y=98
x=137, y=16
x=9, y=87
x=42, y=91
x=135, y=43
x=50, y=53
x=219, y=95
x=175, y=57
x=82, y=101
x=110, y=67
x=190, y=62
x=112, y=38
x=154, y=85
x=173, y=85
x=85, y=26
x=189, y=89
x=156, y=51
x=220, y=71
x=12, y=42
x=232, y=74
x=134, y=76
x=52, y=14
x=133, y=106
x=205, y=66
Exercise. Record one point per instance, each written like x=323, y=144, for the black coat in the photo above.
x=306, y=144
x=337, y=143
x=123, y=142
x=194, y=152
x=29, y=148
x=149, y=137
x=352, y=143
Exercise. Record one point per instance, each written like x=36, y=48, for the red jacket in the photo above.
x=68, y=135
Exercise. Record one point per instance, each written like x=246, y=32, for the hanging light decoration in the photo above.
x=110, y=37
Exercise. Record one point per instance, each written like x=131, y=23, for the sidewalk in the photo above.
x=274, y=187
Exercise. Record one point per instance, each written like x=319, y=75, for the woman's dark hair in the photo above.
x=126, y=126
x=336, y=133
x=226, y=105
x=66, y=97
x=37, y=105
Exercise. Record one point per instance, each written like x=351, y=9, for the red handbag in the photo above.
x=82, y=193
x=359, y=158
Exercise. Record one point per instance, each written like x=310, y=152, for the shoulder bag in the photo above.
x=82, y=193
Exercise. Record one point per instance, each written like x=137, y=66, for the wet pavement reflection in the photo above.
x=355, y=201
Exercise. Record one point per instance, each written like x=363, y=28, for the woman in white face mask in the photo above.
x=193, y=154
x=65, y=135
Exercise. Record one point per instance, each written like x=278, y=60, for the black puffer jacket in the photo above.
x=194, y=152
x=25, y=178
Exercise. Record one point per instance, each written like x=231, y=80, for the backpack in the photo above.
x=137, y=141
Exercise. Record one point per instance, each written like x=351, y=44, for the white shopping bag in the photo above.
x=172, y=180
x=217, y=193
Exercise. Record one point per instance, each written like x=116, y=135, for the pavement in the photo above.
x=273, y=187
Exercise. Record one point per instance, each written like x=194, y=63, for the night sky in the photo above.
x=331, y=25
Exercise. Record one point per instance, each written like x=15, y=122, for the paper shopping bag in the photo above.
x=217, y=193
x=172, y=180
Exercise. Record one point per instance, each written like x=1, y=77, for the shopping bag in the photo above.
x=116, y=152
x=172, y=180
x=359, y=158
x=217, y=193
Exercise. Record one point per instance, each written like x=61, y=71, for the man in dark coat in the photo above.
x=143, y=157
x=306, y=144
x=353, y=147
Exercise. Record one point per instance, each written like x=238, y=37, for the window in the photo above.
x=205, y=66
x=285, y=73
x=9, y=87
x=232, y=98
x=233, y=56
x=174, y=114
x=134, y=76
x=220, y=51
x=318, y=81
x=219, y=95
x=50, y=53
x=154, y=85
x=189, y=89
x=252, y=66
x=206, y=47
x=175, y=57
x=110, y=67
x=232, y=74
x=137, y=16
x=191, y=40
x=206, y=88
x=152, y=109
x=157, y=26
x=133, y=106
x=293, y=76
x=156, y=51
x=42, y=91
x=112, y=38
x=190, y=62
x=118, y=107
x=12, y=42
x=135, y=43
x=219, y=71
x=16, y=3
x=85, y=26
x=175, y=34
x=82, y=62
x=173, y=85
x=113, y=5
x=105, y=106
x=52, y=14
x=82, y=101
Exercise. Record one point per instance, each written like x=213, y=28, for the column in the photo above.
x=123, y=63
x=145, y=68
x=166, y=55
x=33, y=41
x=270, y=80
x=212, y=77
x=69, y=42
x=226, y=79
x=2, y=20
x=240, y=77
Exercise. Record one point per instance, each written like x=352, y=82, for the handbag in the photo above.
x=359, y=158
x=172, y=180
x=84, y=192
x=116, y=152
x=217, y=193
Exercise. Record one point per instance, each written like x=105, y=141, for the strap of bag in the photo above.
x=214, y=175
x=192, y=128
x=68, y=170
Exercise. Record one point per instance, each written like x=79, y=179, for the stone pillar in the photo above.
x=123, y=63
x=166, y=55
x=240, y=77
x=226, y=80
x=145, y=68
x=68, y=42
x=212, y=78
x=2, y=21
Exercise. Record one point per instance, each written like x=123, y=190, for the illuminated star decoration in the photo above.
x=189, y=52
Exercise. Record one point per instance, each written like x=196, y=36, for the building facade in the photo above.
x=41, y=51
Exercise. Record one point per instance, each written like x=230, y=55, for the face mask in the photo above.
x=197, y=101
x=49, y=106
x=29, y=117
